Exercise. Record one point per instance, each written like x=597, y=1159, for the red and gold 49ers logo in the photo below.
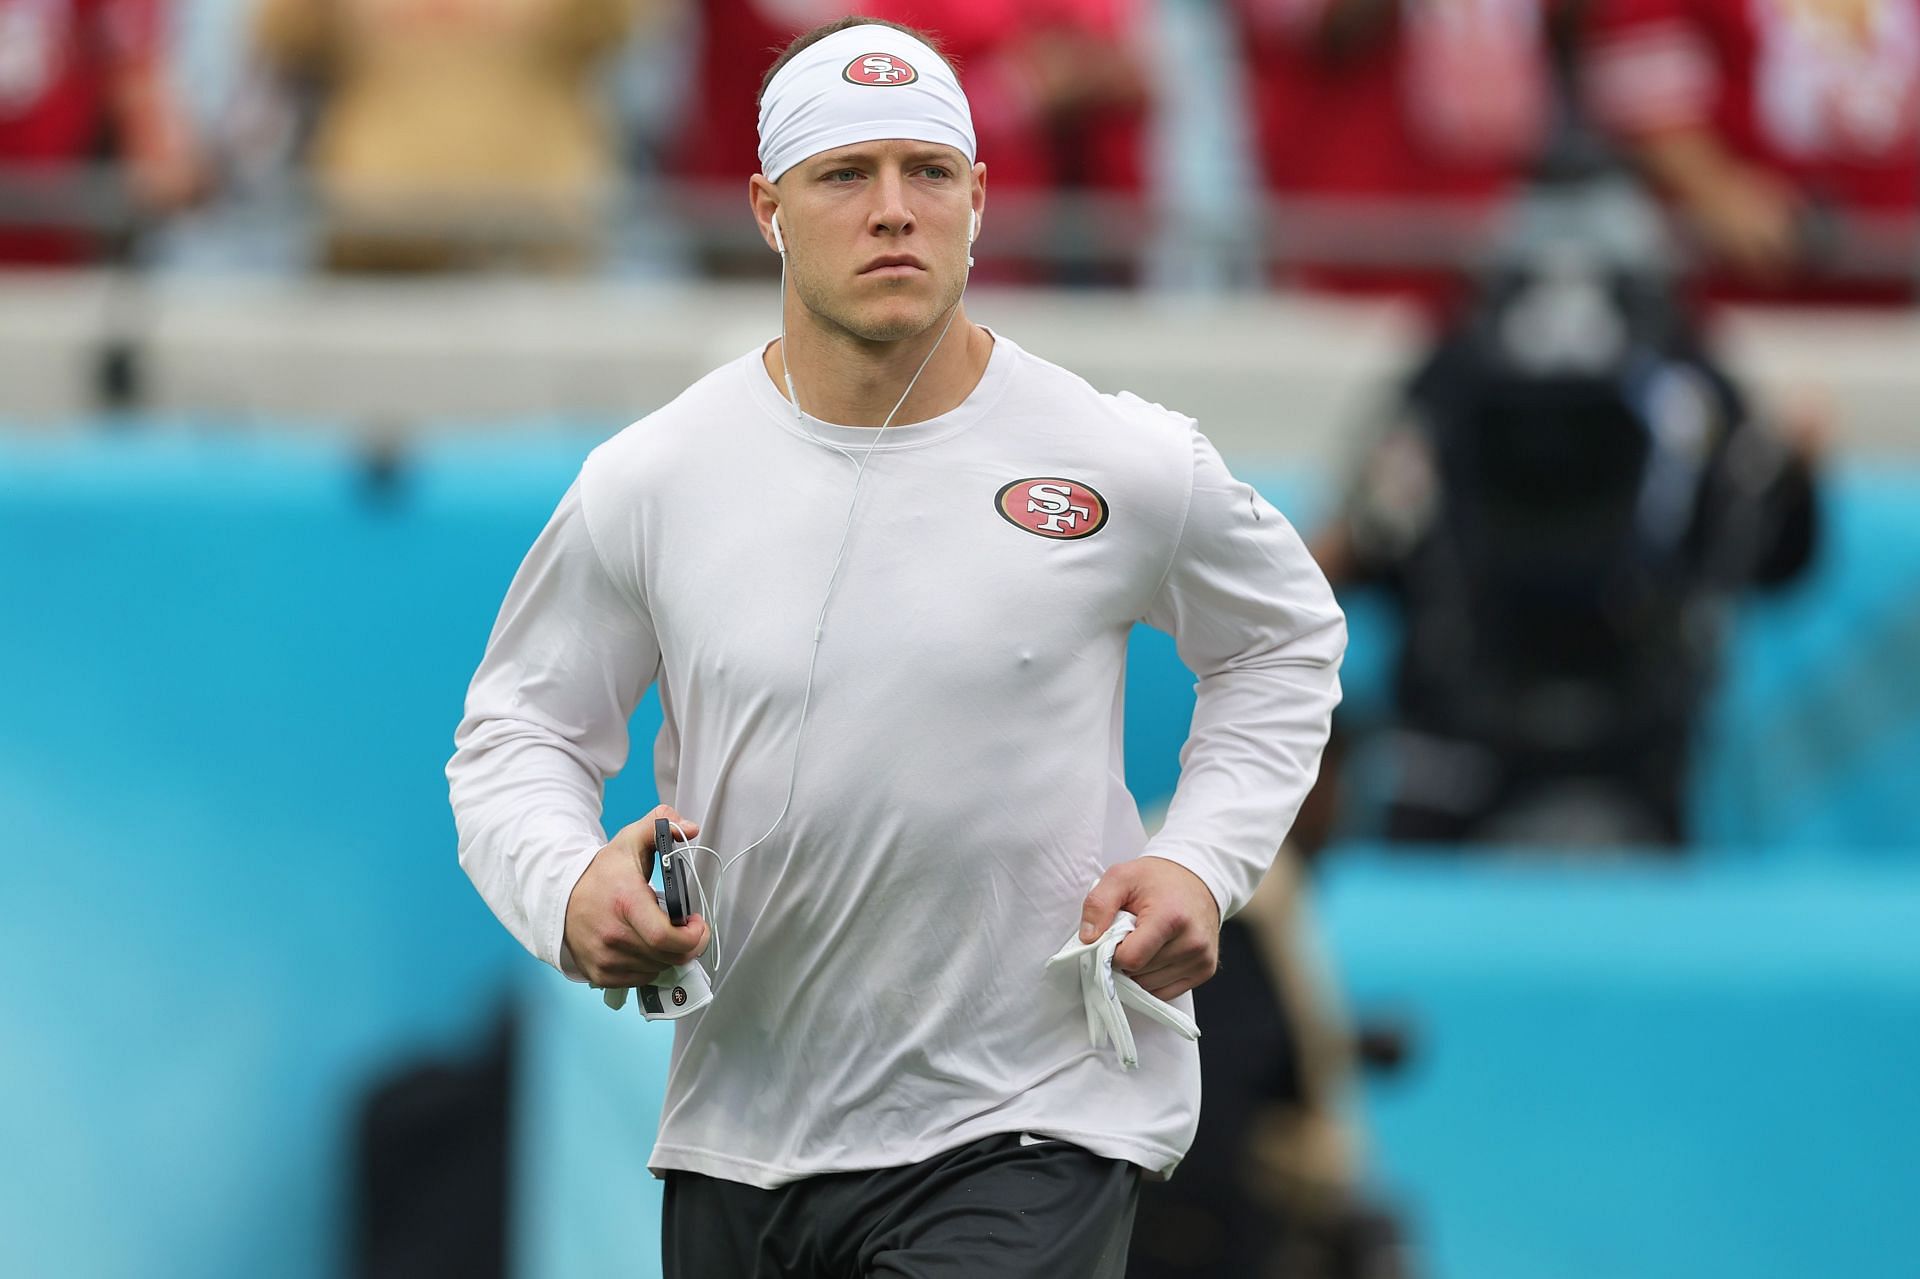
x=1052, y=507
x=880, y=69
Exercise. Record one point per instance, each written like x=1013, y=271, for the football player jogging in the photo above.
x=882, y=571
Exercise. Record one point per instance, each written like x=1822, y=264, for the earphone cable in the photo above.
x=819, y=626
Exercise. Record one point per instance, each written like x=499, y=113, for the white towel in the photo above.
x=1104, y=992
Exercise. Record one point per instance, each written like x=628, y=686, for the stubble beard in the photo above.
x=890, y=326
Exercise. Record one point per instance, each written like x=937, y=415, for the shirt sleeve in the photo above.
x=1254, y=619
x=545, y=726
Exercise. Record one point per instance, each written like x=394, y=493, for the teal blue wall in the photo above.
x=229, y=894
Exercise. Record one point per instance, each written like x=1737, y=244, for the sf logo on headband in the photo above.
x=880, y=69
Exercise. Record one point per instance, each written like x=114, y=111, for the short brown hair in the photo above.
x=806, y=39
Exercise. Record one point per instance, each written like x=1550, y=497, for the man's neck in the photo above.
x=849, y=382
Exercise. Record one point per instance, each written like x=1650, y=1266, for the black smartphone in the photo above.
x=672, y=879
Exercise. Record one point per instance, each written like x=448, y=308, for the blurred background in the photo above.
x=1577, y=336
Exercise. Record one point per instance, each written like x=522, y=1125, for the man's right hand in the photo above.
x=616, y=929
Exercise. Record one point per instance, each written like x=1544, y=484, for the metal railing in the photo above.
x=1051, y=236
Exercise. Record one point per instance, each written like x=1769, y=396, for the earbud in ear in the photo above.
x=973, y=226
x=779, y=245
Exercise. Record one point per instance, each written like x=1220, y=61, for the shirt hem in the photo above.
x=1157, y=1161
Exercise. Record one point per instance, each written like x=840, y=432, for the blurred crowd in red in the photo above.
x=1784, y=133
x=77, y=77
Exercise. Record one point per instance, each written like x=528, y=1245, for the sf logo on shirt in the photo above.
x=879, y=69
x=1049, y=506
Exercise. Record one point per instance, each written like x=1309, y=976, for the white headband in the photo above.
x=861, y=85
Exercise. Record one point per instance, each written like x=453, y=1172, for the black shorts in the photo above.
x=997, y=1208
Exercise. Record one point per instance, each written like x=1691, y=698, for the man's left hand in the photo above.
x=1176, y=945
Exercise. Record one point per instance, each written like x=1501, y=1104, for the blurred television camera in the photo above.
x=1569, y=493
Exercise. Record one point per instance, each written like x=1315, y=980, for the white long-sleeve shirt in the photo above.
x=882, y=995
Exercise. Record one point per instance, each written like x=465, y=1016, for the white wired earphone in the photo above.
x=819, y=625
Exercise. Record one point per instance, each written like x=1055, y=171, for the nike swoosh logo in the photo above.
x=1028, y=1139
